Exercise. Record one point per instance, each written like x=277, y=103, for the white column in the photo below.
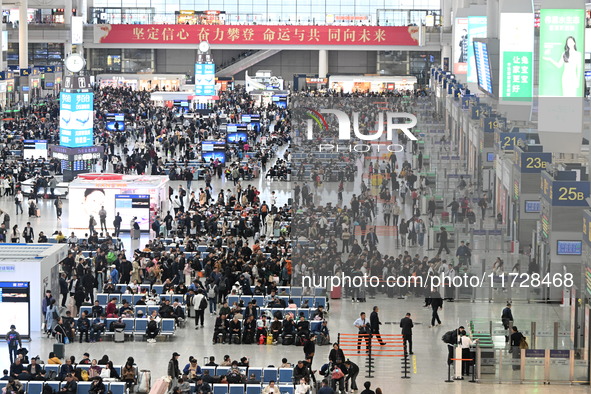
x=68, y=23
x=322, y=63
x=492, y=12
x=23, y=35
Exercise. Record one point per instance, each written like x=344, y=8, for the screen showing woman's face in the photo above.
x=93, y=203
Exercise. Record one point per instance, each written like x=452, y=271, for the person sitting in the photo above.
x=318, y=313
x=236, y=329
x=211, y=362
x=52, y=359
x=152, y=330
x=14, y=386
x=126, y=309
x=33, y=369
x=109, y=373
x=97, y=386
x=183, y=387
x=202, y=387
x=83, y=326
x=42, y=238
x=192, y=369
x=97, y=328
x=71, y=386
x=220, y=328
x=276, y=329
x=66, y=369
x=166, y=311
x=303, y=327
x=235, y=375
x=250, y=328
x=270, y=388
x=301, y=371
x=288, y=326
x=128, y=374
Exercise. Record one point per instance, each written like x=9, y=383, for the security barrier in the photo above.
x=394, y=346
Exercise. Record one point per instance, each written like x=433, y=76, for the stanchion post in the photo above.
x=449, y=379
x=533, y=335
x=478, y=365
x=405, y=364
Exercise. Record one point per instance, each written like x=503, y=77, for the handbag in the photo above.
x=337, y=374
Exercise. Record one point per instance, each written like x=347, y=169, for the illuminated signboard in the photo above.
x=76, y=119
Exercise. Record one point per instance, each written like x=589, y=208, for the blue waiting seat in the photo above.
x=87, y=309
x=109, y=321
x=118, y=369
x=136, y=298
x=159, y=290
x=52, y=367
x=296, y=291
x=315, y=326
x=310, y=300
x=54, y=385
x=285, y=375
x=286, y=389
x=236, y=389
x=35, y=388
x=83, y=366
x=305, y=311
x=83, y=387
x=129, y=325
x=220, y=371
x=257, y=372
x=167, y=327
x=219, y=388
x=140, y=326
x=211, y=370
x=102, y=298
x=269, y=374
x=121, y=288
x=143, y=308
x=117, y=387
x=320, y=301
x=259, y=299
x=232, y=299
x=253, y=389
x=319, y=291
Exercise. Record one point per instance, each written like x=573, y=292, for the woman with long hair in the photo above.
x=570, y=62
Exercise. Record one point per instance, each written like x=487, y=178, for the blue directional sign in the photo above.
x=76, y=119
x=204, y=79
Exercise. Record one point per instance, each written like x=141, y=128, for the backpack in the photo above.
x=264, y=209
x=12, y=339
x=203, y=303
x=448, y=337
x=211, y=291
x=234, y=377
x=523, y=343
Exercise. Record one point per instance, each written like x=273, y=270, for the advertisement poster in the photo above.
x=476, y=29
x=516, y=48
x=91, y=200
x=562, y=47
x=460, y=43
x=204, y=79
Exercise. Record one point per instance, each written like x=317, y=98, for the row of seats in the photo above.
x=139, y=326
x=219, y=388
x=264, y=375
x=36, y=387
x=313, y=302
x=104, y=298
x=146, y=309
x=56, y=367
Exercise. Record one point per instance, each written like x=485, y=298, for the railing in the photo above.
x=236, y=59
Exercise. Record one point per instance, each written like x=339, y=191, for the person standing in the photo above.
x=28, y=233
x=18, y=201
x=199, y=302
x=431, y=207
x=483, y=204
x=507, y=319
x=310, y=349
x=406, y=324
x=465, y=343
x=364, y=329
x=436, y=304
x=375, y=323
x=455, y=206
x=117, y=224
x=91, y=224
x=174, y=371
x=103, y=219
x=443, y=238
x=515, y=349
x=13, y=339
x=58, y=207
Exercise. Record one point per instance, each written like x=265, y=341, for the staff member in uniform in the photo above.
x=364, y=331
x=406, y=324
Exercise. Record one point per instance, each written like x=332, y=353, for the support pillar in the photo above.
x=322, y=63
x=23, y=35
x=68, y=22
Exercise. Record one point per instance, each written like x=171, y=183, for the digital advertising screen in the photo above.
x=460, y=46
x=476, y=29
x=483, y=67
x=280, y=100
x=236, y=137
x=33, y=149
x=76, y=119
x=90, y=201
x=133, y=205
x=204, y=79
x=211, y=150
x=516, y=49
x=562, y=47
x=14, y=307
x=115, y=122
x=569, y=248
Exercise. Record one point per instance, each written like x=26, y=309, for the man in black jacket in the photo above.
x=174, y=371
x=83, y=326
x=301, y=371
x=202, y=387
x=71, y=387
x=310, y=349
x=221, y=327
x=507, y=319
x=407, y=325
x=374, y=322
x=352, y=372
x=436, y=304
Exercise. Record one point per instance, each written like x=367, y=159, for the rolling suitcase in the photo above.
x=336, y=293
x=144, y=381
x=119, y=335
x=60, y=350
x=160, y=386
x=38, y=213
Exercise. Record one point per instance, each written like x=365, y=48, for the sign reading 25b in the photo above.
x=570, y=193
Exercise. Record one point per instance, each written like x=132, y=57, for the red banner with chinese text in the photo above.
x=257, y=35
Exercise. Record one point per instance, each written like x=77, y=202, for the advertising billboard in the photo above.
x=204, y=79
x=76, y=119
x=212, y=150
x=90, y=202
x=460, y=46
x=133, y=205
x=562, y=46
x=115, y=122
x=476, y=29
x=516, y=52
